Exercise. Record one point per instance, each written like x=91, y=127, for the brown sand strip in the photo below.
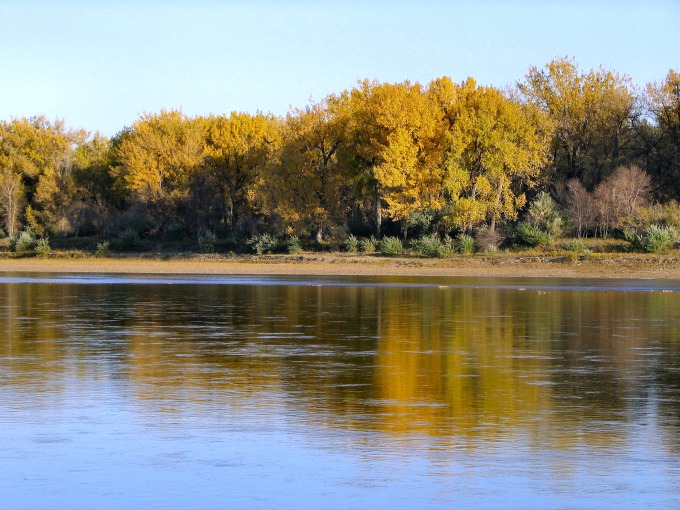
x=342, y=264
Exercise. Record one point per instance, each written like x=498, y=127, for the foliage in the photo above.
x=544, y=214
x=526, y=234
x=309, y=187
x=42, y=247
x=653, y=239
x=129, y=239
x=574, y=245
x=103, y=249
x=352, y=244
x=368, y=244
x=587, y=116
x=439, y=157
x=390, y=246
x=25, y=241
x=293, y=245
x=265, y=243
x=494, y=146
x=465, y=244
x=433, y=246
x=207, y=242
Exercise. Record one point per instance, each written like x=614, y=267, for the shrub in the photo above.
x=368, y=244
x=485, y=238
x=25, y=241
x=526, y=234
x=653, y=239
x=574, y=245
x=129, y=239
x=433, y=246
x=658, y=239
x=207, y=242
x=102, y=249
x=545, y=215
x=293, y=245
x=390, y=246
x=465, y=244
x=264, y=243
x=42, y=247
x=352, y=244
x=2, y=233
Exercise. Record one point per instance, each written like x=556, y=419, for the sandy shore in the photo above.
x=611, y=266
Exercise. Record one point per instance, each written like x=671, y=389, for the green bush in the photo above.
x=653, y=239
x=526, y=234
x=433, y=246
x=293, y=245
x=390, y=246
x=42, y=247
x=103, y=249
x=207, y=242
x=368, y=244
x=129, y=239
x=465, y=244
x=24, y=242
x=657, y=239
x=264, y=243
x=574, y=245
x=352, y=244
x=545, y=215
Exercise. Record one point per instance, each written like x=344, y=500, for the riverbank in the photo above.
x=636, y=266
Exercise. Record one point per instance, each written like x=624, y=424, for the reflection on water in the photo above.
x=338, y=396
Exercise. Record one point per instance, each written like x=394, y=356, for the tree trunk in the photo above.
x=378, y=212
x=319, y=234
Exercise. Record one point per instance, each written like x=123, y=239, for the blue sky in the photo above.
x=100, y=64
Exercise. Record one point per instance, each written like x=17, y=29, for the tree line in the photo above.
x=397, y=158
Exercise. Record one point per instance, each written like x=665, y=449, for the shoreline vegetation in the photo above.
x=605, y=266
x=567, y=167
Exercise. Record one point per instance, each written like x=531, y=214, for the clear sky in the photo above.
x=100, y=64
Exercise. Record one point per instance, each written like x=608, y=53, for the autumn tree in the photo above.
x=238, y=150
x=11, y=196
x=592, y=116
x=310, y=185
x=397, y=130
x=664, y=136
x=96, y=197
x=494, y=151
x=620, y=197
x=158, y=156
x=39, y=153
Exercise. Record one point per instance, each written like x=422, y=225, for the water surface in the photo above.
x=273, y=392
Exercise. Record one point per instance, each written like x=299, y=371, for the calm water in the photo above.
x=335, y=393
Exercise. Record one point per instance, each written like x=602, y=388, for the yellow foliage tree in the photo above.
x=399, y=128
x=238, y=150
x=158, y=155
x=493, y=149
x=591, y=115
x=311, y=184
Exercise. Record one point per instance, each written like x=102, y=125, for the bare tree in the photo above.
x=11, y=199
x=580, y=206
x=621, y=196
